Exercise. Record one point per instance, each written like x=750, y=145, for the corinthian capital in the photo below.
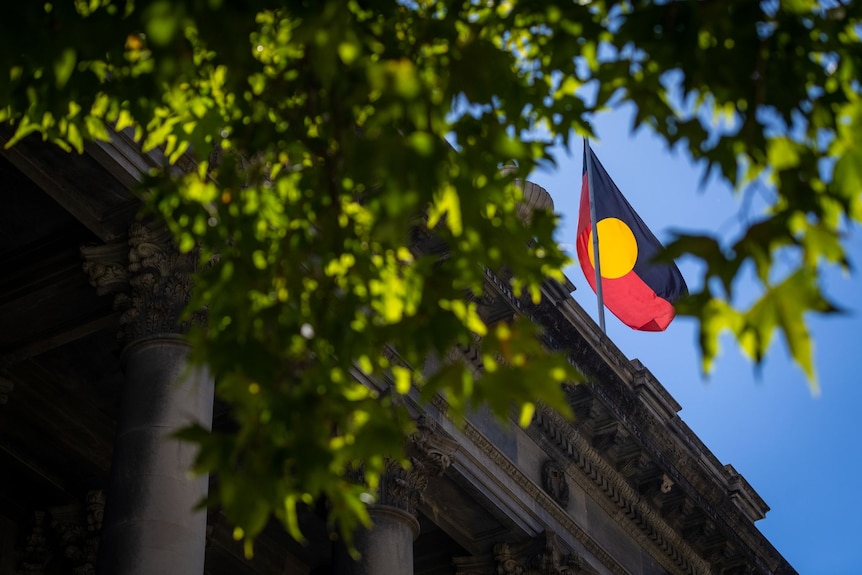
x=430, y=455
x=150, y=278
x=402, y=488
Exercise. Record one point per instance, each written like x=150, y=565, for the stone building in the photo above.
x=626, y=488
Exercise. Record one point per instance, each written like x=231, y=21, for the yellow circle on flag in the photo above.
x=617, y=246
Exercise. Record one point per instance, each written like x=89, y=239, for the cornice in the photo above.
x=605, y=485
x=717, y=528
x=669, y=443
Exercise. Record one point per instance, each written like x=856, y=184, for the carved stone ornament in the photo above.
x=37, y=551
x=107, y=267
x=546, y=558
x=150, y=277
x=431, y=447
x=65, y=536
x=507, y=564
x=539, y=556
x=554, y=482
x=666, y=484
x=430, y=455
x=402, y=488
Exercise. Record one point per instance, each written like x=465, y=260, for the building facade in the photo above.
x=88, y=478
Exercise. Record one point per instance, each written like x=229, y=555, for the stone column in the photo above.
x=150, y=525
x=387, y=548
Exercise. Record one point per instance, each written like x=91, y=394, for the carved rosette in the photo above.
x=150, y=278
x=430, y=455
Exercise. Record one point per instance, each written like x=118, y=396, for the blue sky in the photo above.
x=801, y=453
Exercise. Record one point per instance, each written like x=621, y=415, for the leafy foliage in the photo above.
x=321, y=134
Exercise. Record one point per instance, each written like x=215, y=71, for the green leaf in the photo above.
x=162, y=22
x=782, y=153
x=64, y=66
x=783, y=307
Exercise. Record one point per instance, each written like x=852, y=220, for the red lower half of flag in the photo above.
x=631, y=300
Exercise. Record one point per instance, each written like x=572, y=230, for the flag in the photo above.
x=639, y=291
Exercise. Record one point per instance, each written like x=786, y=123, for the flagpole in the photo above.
x=597, y=260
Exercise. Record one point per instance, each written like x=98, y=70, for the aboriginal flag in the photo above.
x=639, y=291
